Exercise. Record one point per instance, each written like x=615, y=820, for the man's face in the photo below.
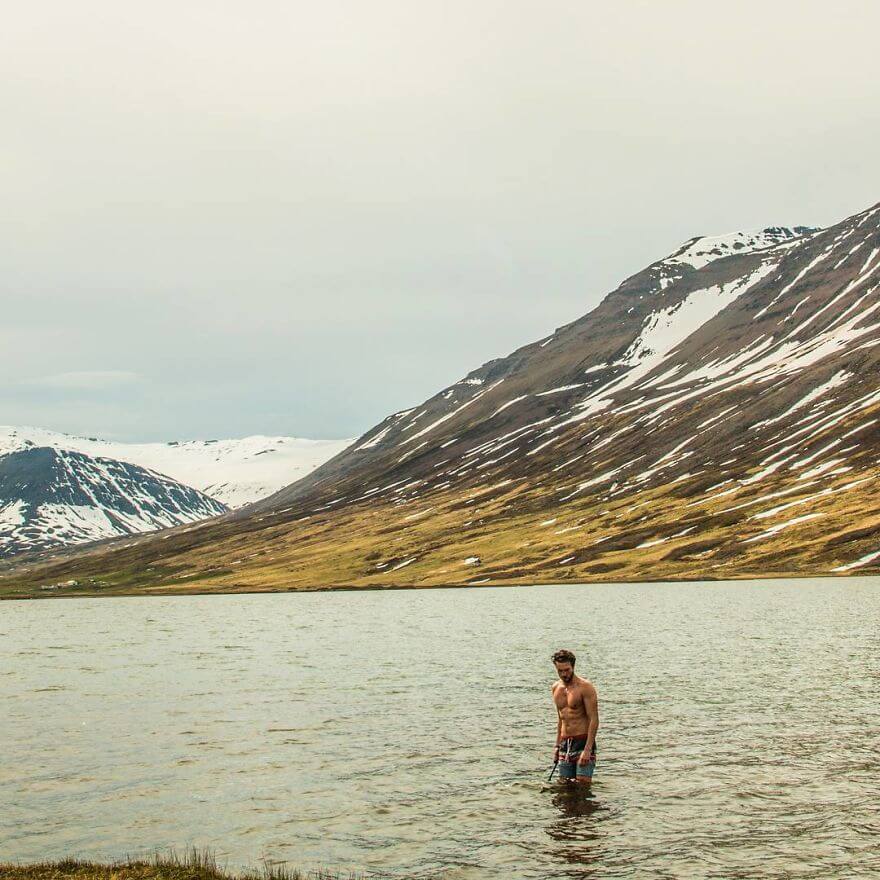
x=565, y=671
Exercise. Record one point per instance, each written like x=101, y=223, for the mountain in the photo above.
x=531, y=400
x=717, y=415
x=51, y=498
x=234, y=472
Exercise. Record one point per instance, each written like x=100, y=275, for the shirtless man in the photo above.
x=577, y=706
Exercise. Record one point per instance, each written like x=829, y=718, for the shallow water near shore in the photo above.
x=411, y=733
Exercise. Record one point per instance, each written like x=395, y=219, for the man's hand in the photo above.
x=585, y=758
x=556, y=755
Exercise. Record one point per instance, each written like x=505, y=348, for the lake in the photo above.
x=411, y=732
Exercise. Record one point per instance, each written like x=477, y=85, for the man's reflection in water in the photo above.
x=580, y=813
x=577, y=806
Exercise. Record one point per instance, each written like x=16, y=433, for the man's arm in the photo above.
x=591, y=704
x=558, y=724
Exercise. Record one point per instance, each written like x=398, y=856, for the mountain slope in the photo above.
x=715, y=416
x=51, y=498
x=542, y=387
x=235, y=472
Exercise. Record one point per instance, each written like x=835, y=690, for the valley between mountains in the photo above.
x=716, y=416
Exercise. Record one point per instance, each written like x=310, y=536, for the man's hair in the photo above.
x=563, y=656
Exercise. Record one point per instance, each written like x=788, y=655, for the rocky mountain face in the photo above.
x=715, y=416
x=51, y=498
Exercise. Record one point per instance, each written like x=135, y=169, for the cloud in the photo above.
x=87, y=380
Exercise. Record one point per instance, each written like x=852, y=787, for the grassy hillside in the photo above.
x=500, y=535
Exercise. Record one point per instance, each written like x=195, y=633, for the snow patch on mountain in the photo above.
x=12, y=514
x=662, y=332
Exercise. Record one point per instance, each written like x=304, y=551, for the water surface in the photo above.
x=410, y=733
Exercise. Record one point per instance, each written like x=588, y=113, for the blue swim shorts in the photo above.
x=570, y=750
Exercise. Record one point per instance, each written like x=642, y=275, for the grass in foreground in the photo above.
x=195, y=864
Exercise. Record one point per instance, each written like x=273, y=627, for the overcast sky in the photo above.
x=227, y=218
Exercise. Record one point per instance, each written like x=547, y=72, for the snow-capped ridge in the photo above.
x=704, y=249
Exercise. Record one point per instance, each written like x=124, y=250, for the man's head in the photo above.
x=564, y=662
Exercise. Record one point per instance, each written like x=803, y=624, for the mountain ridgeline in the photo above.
x=718, y=415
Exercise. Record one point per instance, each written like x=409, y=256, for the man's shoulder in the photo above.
x=587, y=686
x=555, y=685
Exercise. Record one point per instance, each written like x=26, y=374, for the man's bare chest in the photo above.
x=569, y=699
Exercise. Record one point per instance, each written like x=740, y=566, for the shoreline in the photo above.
x=149, y=592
